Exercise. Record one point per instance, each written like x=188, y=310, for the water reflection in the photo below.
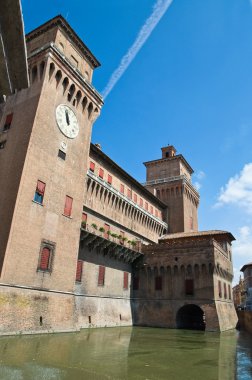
x=124, y=353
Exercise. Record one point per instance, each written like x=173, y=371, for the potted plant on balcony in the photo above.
x=94, y=226
x=83, y=224
x=114, y=236
x=102, y=230
x=108, y=233
x=133, y=243
x=124, y=240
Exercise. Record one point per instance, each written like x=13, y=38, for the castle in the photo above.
x=83, y=244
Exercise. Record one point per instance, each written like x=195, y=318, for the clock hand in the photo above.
x=67, y=117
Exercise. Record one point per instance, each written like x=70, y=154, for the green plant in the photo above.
x=102, y=229
x=94, y=226
x=124, y=239
x=133, y=243
x=83, y=224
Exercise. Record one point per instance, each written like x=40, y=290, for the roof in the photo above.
x=180, y=156
x=63, y=24
x=112, y=163
x=245, y=266
x=183, y=235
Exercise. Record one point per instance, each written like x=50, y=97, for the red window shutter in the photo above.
x=101, y=276
x=151, y=209
x=9, y=119
x=92, y=166
x=220, y=290
x=135, y=198
x=135, y=283
x=122, y=188
x=84, y=217
x=101, y=173
x=146, y=206
x=158, y=283
x=44, y=259
x=189, y=287
x=109, y=179
x=141, y=202
x=40, y=188
x=68, y=206
x=129, y=193
x=125, y=280
x=79, y=271
x=106, y=228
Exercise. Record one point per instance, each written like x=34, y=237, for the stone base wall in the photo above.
x=245, y=320
x=27, y=311
x=227, y=315
x=102, y=312
x=162, y=313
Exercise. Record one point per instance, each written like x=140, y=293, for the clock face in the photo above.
x=67, y=121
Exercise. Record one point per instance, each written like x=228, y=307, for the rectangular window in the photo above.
x=141, y=202
x=79, y=271
x=46, y=256
x=158, y=283
x=225, y=290
x=62, y=154
x=101, y=275
x=8, y=121
x=156, y=213
x=135, y=198
x=122, y=188
x=220, y=289
x=40, y=192
x=84, y=220
x=129, y=193
x=125, y=280
x=106, y=233
x=101, y=173
x=110, y=179
x=68, y=206
x=146, y=206
x=92, y=166
x=151, y=209
x=135, y=283
x=189, y=287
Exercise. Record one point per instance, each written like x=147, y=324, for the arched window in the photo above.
x=90, y=109
x=58, y=77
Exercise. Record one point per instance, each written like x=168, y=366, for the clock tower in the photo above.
x=45, y=136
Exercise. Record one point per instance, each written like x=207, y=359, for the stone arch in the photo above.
x=34, y=73
x=84, y=103
x=65, y=84
x=51, y=69
x=175, y=270
x=90, y=109
x=41, y=69
x=190, y=317
x=71, y=92
x=78, y=97
x=196, y=270
x=58, y=77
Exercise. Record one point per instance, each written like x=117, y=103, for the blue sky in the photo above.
x=189, y=85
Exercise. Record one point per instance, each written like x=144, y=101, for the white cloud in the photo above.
x=238, y=190
x=158, y=12
x=200, y=175
x=197, y=185
x=242, y=247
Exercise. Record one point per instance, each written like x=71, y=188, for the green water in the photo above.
x=127, y=353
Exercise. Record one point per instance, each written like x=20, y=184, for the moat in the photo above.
x=127, y=353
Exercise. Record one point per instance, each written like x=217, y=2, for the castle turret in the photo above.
x=169, y=178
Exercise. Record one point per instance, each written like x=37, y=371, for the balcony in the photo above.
x=108, y=247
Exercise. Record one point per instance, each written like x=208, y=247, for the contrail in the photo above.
x=158, y=12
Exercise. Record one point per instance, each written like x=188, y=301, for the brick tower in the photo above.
x=169, y=178
x=44, y=138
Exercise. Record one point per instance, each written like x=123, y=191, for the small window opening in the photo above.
x=51, y=69
x=41, y=69
x=62, y=154
x=40, y=192
x=84, y=103
x=120, y=316
x=58, y=77
x=41, y=321
x=65, y=84
x=89, y=319
x=90, y=109
x=34, y=73
x=167, y=154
